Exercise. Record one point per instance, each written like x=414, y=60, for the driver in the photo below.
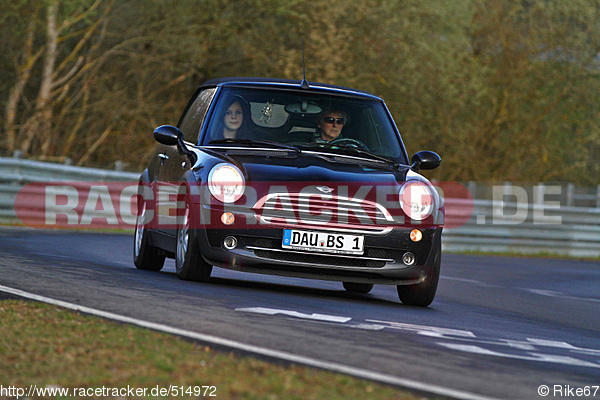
x=330, y=125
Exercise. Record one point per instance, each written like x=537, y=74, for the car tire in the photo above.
x=189, y=264
x=145, y=256
x=422, y=293
x=354, y=287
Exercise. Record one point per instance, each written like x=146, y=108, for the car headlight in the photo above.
x=226, y=183
x=416, y=200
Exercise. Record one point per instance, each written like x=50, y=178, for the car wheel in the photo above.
x=145, y=256
x=189, y=264
x=354, y=287
x=422, y=294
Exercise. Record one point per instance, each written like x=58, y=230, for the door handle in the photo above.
x=162, y=157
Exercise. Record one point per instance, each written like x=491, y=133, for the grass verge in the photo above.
x=48, y=346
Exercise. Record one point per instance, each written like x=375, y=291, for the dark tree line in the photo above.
x=503, y=90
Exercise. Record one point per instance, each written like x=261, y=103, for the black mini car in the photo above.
x=291, y=178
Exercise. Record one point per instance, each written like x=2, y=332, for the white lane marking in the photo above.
x=531, y=346
x=424, y=329
x=54, y=256
x=274, y=311
x=530, y=357
x=369, y=327
x=465, y=280
x=564, y=345
x=541, y=292
x=281, y=355
x=552, y=293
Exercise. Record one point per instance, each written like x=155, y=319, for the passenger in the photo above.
x=231, y=124
x=330, y=125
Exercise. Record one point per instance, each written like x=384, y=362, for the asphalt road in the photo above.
x=499, y=327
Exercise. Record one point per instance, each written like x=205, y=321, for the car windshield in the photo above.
x=308, y=121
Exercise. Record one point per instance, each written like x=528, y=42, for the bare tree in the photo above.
x=63, y=60
x=23, y=73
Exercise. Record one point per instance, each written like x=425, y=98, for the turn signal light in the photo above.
x=227, y=218
x=416, y=235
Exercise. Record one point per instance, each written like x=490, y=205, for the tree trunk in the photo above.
x=28, y=60
x=41, y=121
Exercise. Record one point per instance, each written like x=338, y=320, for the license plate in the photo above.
x=323, y=242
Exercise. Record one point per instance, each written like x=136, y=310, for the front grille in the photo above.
x=271, y=249
x=318, y=259
x=325, y=212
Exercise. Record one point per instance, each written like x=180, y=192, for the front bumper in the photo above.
x=260, y=251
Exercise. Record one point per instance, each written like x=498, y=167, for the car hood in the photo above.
x=319, y=167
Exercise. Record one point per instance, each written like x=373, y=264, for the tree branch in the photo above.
x=96, y=144
x=68, y=23
x=69, y=74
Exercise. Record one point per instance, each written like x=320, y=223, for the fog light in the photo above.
x=227, y=218
x=409, y=259
x=416, y=235
x=230, y=242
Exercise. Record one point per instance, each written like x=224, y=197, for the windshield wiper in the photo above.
x=356, y=150
x=253, y=142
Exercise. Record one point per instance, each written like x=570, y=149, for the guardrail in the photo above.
x=15, y=173
x=567, y=194
x=496, y=226
x=531, y=226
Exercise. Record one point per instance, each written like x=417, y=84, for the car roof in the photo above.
x=288, y=84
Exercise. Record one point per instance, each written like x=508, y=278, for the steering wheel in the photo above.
x=349, y=142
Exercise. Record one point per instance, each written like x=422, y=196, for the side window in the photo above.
x=192, y=121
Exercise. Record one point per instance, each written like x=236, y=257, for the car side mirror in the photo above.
x=425, y=159
x=168, y=135
x=171, y=136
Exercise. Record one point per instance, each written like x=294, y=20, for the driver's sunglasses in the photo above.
x=331, y=120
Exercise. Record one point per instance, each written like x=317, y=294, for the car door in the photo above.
x=174, y=163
